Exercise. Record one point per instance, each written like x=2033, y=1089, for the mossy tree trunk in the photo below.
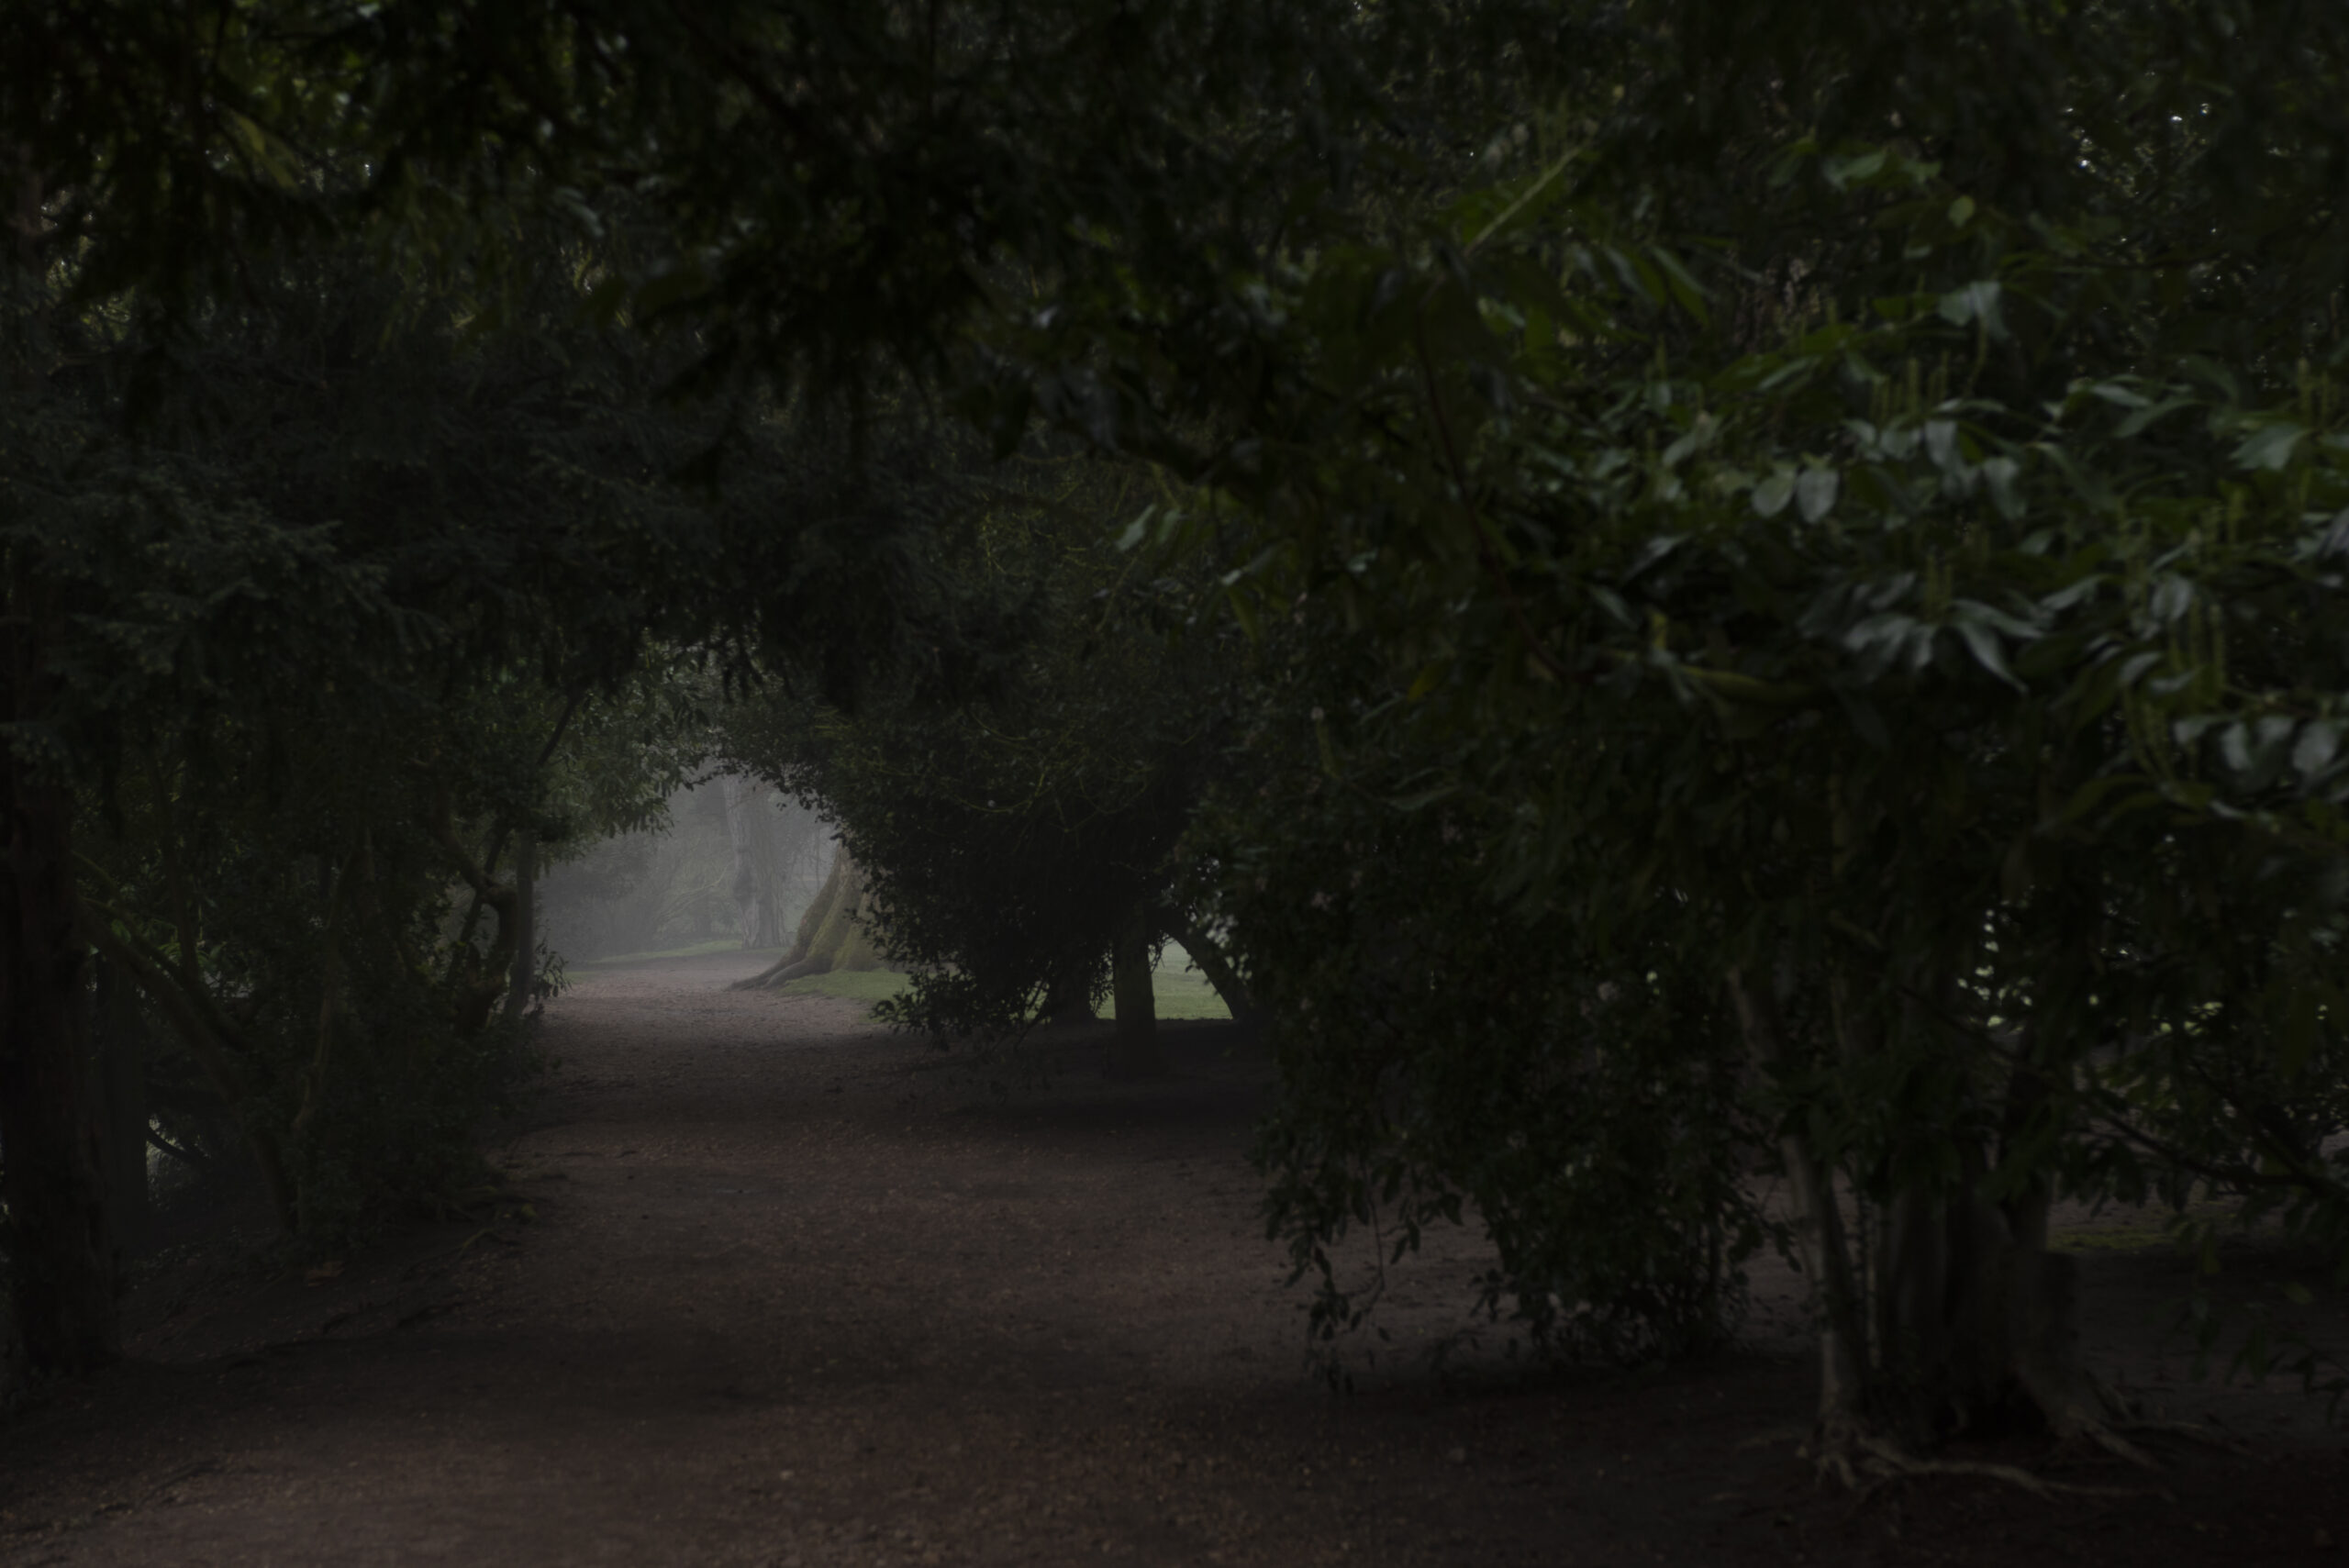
x=832, y=934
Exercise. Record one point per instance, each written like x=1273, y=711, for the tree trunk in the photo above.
x=1980, y=1319
x=832, y=933
x=1821, y=1245
x=1213, y=963
x=210, y=1037
x=61, y=1257
x=1134, y=1050
x=1068, y=1001
x=524, y=972
x=1964, y=1323
x=121, y=1041
x=478, y=982
x=750, y=831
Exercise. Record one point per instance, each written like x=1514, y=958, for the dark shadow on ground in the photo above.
x=791, y=1292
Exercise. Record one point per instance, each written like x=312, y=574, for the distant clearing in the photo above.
x=1183, y=991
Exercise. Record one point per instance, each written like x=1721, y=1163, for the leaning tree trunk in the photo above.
x=1216, y=965
x=833, y=934
x=52, y=1165
x=1134, y=1050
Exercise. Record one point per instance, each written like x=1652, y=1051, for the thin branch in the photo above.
x=209, y=1036
x=184, y=1156
x=1531, y=191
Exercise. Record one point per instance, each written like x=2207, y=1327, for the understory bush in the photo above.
x=1447, y=1057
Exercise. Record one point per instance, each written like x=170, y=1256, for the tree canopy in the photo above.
x=1816, y=535
x=1015, y=844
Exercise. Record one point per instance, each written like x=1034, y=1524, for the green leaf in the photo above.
x=1685, y=289
x=1940, y=443
x=2136, y=423
x=2000, y=473
x=1984, y=644
x=1844, y=171
x=2313, y=751
x=2090, y=486
x=2270, y=446
x=1770, y=496
x=1976, y=303
x=2089, y=795
x=1613, y=602
x=2171, y=597
x=1244, y=611
x=1814, y=492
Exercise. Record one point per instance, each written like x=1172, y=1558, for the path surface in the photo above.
x=794, y=1292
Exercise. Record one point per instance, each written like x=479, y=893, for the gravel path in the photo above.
x=796, y=1291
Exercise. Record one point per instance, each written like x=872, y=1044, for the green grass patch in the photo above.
x=853, y=985
x=698, y=949
x=2119, y=1239
x=2138, y=1229
x=1179, y=991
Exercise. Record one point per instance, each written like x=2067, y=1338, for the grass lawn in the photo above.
x=716, y=944
x=1182, y=992
x=856, y=984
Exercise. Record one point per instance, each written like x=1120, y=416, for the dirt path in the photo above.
x=794, y=1294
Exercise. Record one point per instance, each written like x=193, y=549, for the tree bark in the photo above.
x=1134, y=1049
x=524, y=969
x=477, y=982
x=63, y=1277
x=750, y=833
x=121, y=1041
x=210, y=1038
x=1964, y=1323
x=1819, y=1242
x=1213, y=963
x=832, y=933
x=1068, y=1002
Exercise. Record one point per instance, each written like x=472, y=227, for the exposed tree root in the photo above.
x=2194, y=1431
x=1865, y=1462
x=1887, y=1464
x=2123, y=1414
x=2108, y=1438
